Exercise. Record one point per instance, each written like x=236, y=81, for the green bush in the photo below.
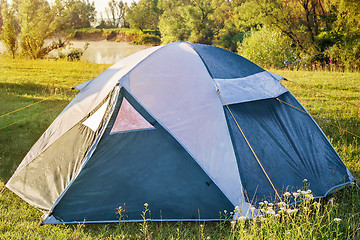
x=147, y=39
x=267, y=48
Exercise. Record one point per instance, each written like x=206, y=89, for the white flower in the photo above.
x=281, y=203
x=242, y=218
x=252, y=209
x=266, y=202
x=270, y=212
x=287, y=194
x=292, y=210
x=261, y=203
x=271, y=204
x=146, y=205
x=295, y=194
x=337, y=219
x=310, y=196
x=237, y=208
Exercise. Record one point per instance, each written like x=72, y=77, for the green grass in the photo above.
x=330, y=96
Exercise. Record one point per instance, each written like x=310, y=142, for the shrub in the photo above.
x=268, y=48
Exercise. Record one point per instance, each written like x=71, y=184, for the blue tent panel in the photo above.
x=224, y=64
x=290, y=146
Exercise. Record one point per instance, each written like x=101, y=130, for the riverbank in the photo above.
x=133, y=36
x=103, y=51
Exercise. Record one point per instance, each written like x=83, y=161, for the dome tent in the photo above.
x=162, y=127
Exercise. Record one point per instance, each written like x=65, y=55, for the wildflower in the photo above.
x=310, y=196
x=305, y=180
x=225, y=211
x=146, y=205
x=292, y=210
x=261, y=203
x=237, y=208
x=295, y=194
x=252, y=209
x=231, y=213
x=287, y=194
x=266, y=202
x=242, y=218
x=337, y=219
x=270, y=211
x=281, y=203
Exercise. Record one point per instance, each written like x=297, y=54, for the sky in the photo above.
x=100, y=5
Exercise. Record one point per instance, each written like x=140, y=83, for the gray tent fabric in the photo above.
x=156, y=128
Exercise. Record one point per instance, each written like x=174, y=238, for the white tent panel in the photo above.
x=184, y=100
x=254, y=87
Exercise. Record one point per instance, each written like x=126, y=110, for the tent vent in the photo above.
x=128, y=119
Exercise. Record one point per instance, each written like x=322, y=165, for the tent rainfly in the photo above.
x=190, y=129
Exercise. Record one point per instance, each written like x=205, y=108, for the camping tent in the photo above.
x=190, y=129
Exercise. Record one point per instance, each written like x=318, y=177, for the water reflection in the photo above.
x=100, y=51
x=107, y=52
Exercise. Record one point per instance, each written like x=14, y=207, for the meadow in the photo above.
x=331, y=97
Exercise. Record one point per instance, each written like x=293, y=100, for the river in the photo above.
x=101, y=51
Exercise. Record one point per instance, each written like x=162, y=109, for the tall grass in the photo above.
x=331, y=96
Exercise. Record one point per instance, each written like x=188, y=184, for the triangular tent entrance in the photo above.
x=99, y=155
x=128, y=119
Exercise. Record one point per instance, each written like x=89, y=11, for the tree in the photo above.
x=172, y=23
x=38, y=20
x=8, y=33
x=1, y=18
x=116, y=13
x=188, y=21
x=79, y=14
x=300, y=20
x=346, y=51
x=143, y=15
